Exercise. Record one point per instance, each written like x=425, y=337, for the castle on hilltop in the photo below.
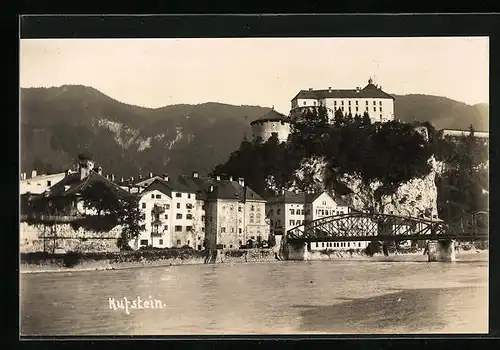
x=371, y=99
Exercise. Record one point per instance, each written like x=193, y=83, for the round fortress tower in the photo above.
x=271, y=123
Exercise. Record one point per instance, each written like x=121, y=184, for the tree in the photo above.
x=129, y=217
x=100, y=197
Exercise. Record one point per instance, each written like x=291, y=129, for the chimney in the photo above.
x=99, y=170
x=230, y=178
x=107, y=177
x=132, y=179
x=140, y=177
x=113, y=177
x=165, y=177
x=195, y=174
x=329, y=89
x=211, y=188
x=357, y=89
x=282, y=191
x=33, y=173
x=122, y=180
x=150, y=175
x=241, y=181
x=310, y=89
x=217, y=178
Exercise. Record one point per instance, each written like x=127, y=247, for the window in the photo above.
x=374, y=103
x=166, y=216
x=189, y=195
x=49, y=183
x=258, y=208
x=165, y=227
x=251, y=218
x=292, y=222
x=322, y=244
x=380, y=109
x=356, y=102
x=316, y=244
x=203, y=218
x=357, y=109
x=314, y=103
x=178, y=205
x=367, y=103
x=292, y=211
x=158, y=196
x=334, y=103
x=189, y=216
x=252, y=208
x=367, y=109
x=178, y=242
x=349, y=109
x=178, y=195
x=380, y=103
x=258, y=218
x=153, y=196
x=349, y=102
x=381, y=117
x=239, y=209
x=178, y=216
x=178, y=229
x=223, y=230
x=143, y=205
x=304, y=103
x=278, y=212
x=342, y=103
x=239, y=230
x=144, y=242
x=374, y=109
x=230, y=246
x=189, y=242
x=359, y=244
x=189, y=206
x=342, y=109
x=167, y=206
x=160, y=241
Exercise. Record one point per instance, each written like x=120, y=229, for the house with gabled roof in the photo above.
x=172, y=217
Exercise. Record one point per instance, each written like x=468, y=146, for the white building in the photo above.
x=37, y=184
x=371, y=99
x=170, y=211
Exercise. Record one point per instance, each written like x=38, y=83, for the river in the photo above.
x=340, y=297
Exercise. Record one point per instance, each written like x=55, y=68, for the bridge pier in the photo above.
x=297, y=251
x=441, y=251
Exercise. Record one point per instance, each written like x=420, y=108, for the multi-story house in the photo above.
x=37, y=184
x=285, y=211
x=234, y=213
x=169, y=218
x=371, y=99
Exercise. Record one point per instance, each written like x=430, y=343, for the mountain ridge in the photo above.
x=59, y=122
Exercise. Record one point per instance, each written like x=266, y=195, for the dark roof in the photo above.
x=76, y=185
x=288, y=197
x=272, y=116
x=167, y=187
x=369, y=91
x=223, y=189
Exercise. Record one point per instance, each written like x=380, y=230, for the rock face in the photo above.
x=415, y=198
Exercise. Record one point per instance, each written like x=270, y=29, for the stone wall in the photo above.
x=63, y=238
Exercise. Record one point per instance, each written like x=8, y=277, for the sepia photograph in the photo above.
x=254, y=186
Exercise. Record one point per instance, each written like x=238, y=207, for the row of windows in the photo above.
x=339, y=244
x=177, y=228
x=292, y=211
x=223, y=230
x=357, y=109
x=167, y=206
x=296, y=222
x=328, y=212
x=177, y=194
x=349, y=103
x=145, y=242
x=178, y=216
x=252, y=208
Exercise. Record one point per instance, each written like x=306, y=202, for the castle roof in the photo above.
x=271, y=116
x=369, y=91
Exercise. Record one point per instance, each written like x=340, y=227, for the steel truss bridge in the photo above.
x=358, y=226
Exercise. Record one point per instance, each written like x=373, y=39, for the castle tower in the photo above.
x=272, y=123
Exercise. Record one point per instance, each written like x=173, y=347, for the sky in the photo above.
x=257, y=71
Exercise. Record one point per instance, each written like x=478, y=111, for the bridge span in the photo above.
x=369, y=227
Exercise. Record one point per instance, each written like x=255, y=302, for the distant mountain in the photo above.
x=60, y=122
x=441, y=112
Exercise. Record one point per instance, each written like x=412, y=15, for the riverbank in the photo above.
x=43, y=262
